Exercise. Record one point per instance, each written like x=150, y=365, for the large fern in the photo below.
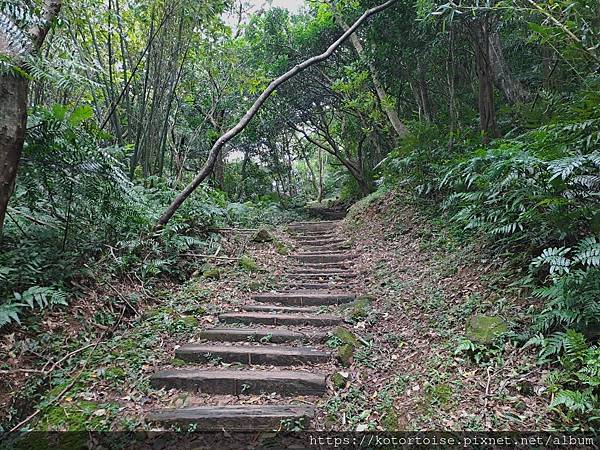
x=575, y=386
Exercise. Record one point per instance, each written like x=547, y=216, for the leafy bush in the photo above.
x=573, y=298
x=536, y=194
x=576, y=385
x=74, y=208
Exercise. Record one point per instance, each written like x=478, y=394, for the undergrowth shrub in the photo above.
x=76, y=215
x=575, y=385
x=536, y=195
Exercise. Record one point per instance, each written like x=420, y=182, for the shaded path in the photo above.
x=269, y=341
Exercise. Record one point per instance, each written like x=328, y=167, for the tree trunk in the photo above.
x=240, y=186
x=512, y=88
x=219, y=172
x=13, y=103
x=485, y=76
x=311, y=172
x=321, y=170
x=390, y=112
x=13, y=122
x=424, y=95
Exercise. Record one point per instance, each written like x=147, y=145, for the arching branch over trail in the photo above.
x=216, y=148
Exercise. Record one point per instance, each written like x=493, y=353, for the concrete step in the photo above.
x=305, y=233
x=317, y=240
x=304, y=299
x=320, y=252
x=306, y=288
x=255, y=334
x=236, y=382
x=325, y=248
x=234, y=417
x=323, y=257
x=279, y=309
x=327, y=271
x=252, y=354
x=334, y=265
x=315, y=320
x=321, y=276
x=314, y=226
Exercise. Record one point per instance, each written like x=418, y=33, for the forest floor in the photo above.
x=411, y=372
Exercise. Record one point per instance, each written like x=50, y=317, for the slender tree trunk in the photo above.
x=451, y=79
x=390, y=112
x=321, y=170
x=311, y=172
x=13, y=122
x=355, y=169
x=424, y=94
x=485, y=76
x=415, y=91
x=240, y=187
x=219, y=172
x=514, y=91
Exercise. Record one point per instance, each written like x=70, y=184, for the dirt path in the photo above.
x=420, y=371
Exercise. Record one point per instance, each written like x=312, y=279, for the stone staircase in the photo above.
x=272, y=340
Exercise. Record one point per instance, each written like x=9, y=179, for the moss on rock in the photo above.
x=176, y=362
x=282, y=249
x=346, y=336
x=255, y=286
x=344, y=355
x=189, y=321
x=485, y=329
x=211, y=272
x=338, y=380
x=262, y=235
x=361, y=306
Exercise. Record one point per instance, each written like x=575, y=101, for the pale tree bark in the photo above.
x=514, y=91
x=13, y=97
x=304, y=154
x=354, y=167
x=262, y=98
x=424, y=94
x=390, y=112
x=321, y=173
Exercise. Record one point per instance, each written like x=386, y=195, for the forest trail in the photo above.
x=270, y=345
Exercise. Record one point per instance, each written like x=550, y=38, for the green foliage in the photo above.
x=75, y=214
x=572, y=300
x=534, y=195
x=576, y=385
x=248, y=264
x=479, y=353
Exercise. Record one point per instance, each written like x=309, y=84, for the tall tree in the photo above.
x=250, y=113
x=384, y=100
x=17, y=45
x=514, y=91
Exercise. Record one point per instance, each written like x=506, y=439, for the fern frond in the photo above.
x=587, y=252
x=556, y=258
